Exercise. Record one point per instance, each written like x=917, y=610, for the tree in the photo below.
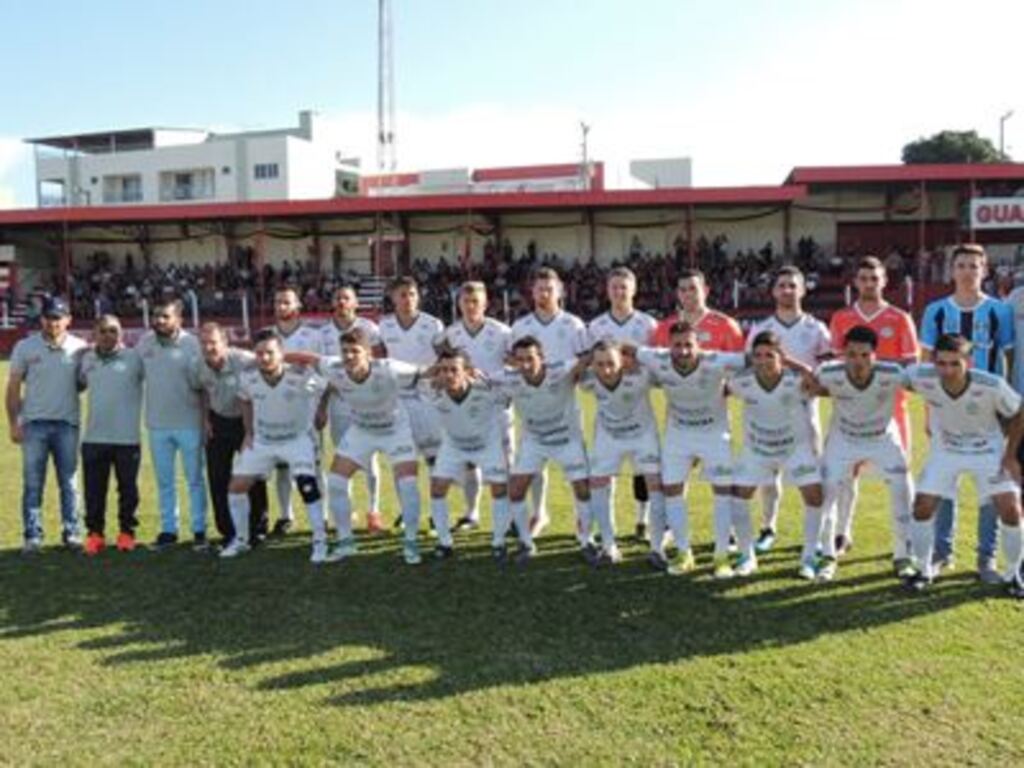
x=953, y=147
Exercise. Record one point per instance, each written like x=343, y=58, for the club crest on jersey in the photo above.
x=972, y=408
x=887, y=332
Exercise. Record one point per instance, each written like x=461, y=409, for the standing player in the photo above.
x=296, y=336
x=804, y=340
x=563, y=337
x=623, y=429
x=778, y=439
x=968, y=411
x=896, y=343
x=277, y=402
x=343, y=320
x=987, y=324
x=716, y=331
x=624, y=324
x=486, y=342
x=863, y=430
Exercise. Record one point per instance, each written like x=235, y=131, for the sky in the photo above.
x=747, y=88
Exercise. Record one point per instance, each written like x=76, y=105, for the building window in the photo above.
x=265, y=171
x=122, y=189
x=187, y=185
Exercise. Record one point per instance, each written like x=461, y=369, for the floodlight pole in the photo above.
x=1002, y=132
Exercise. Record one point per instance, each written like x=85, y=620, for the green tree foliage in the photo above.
x=953, y=147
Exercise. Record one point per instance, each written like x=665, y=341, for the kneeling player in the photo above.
x=624, y=429
x=777, y=438
x=277, y=402
x=863, y=431
x=968, y=409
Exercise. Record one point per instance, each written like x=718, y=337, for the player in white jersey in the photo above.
x=625, y=324
x=624, y=428
x=777, y=438
x=863, y=431
x=470, y=413
x=487, y=343
x=277, y=404
x=969, y=412
x=805, y=340
x=296, y=336
x=343, y=320
x=544, y=395
x=696, y=429
x=562, y=336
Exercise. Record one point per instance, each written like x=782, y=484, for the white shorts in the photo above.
x=571, y=455
x=942, y=471
x=298, y=455
x=491, y=459
x=610, y=451
x=425, y=424
x=684, y=447
x=358, y=444
x=885, y=454
x=800, y=467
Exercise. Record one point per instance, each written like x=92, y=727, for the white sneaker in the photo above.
x=319, y=555
x=746, y=566
x=342, y=550
x=807, y=570
x=234, y=549
x=411, y=553
x=827, y=569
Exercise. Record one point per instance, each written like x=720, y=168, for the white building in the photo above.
x=149, y=166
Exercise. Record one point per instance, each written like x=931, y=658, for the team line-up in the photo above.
x=411, y=388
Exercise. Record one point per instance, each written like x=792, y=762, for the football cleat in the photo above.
x=94, y=544
x=765, y=541
x=682, y=563
x=236, y=548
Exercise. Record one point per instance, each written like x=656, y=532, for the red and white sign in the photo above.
x=997, y=212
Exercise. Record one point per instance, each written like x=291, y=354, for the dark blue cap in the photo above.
x=56, y=307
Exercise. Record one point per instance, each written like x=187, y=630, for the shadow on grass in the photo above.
x=463, y=625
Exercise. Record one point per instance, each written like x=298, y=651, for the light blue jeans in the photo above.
x=164, y=445
x=42, y=439
x=945, y=530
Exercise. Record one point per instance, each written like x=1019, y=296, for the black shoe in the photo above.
x=640, y=533
x=657, y=562
x=591, y=554
x=200, y=543
x=524, y=554
x=441, y=552
x=843, y=544
x=165, y=540
x=917, y=583
x=397, y=525
x=499, y=555
x=466, y=523
x=280, y=529
x=1015, y=586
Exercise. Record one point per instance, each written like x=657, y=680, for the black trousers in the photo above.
x=221, y=447
x=97, y=461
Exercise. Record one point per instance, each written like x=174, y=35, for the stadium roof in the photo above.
x=912, y=173
x=101, y=141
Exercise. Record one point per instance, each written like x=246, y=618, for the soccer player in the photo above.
x=863, y=430
x=623, y=323
x=968, y=409
x=777, y=438
x=804, y=340
x=112, y=375
x=277, y=402
x=696, y=429
x=486, y=342
x=545, y=398
x=44, y=420
x=716, y=331
x=623, y=429
x=343, y=320
x=471, y=420
x=174, y=419
x=296, y=336
x=563, y=337
x=987, y=324
x=220, y=372
x=896, y=343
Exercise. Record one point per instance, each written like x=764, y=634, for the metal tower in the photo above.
x=386, y=155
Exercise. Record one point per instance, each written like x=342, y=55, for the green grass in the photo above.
x=179, y=658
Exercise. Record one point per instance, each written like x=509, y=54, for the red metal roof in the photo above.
x=863, y=174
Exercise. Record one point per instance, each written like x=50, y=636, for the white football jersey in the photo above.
x=471, y=423
x=330, y=334
x=548, y=411
x=413, y=344
x=774, y=421
x=806, y=340
x=637, y=329
x=282, y=411
x=305, y=338
x=695, y=400
x=372, y=403
x=486, y=348
x=563, y=337
x=862, y=413
x=625, y=410
x=969, y=423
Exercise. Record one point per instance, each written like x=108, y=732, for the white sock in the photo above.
x=439, y=514
x=501, y=518
x=846, y=504
x=315, y=511
x=743, y=525
x=656, y=528
x=409, y=498
x=721, y=507
x=539, y=495
x=584, y=522
x=770, y=499
x=901, y=495
x=373, y=484
x=339, y=501
x=677, y=514
x=922, y=538
x=600, y=505
x=471, y=492
x=812, y=530
x=238, y=503
x=522, y=520
x=283, y=484
x=827, y=534
x=1012, y=549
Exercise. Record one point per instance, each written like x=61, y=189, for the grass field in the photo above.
x=180, y=658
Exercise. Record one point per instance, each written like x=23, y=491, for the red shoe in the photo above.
x=94, y=544
x=125, y=542
x=374, y=524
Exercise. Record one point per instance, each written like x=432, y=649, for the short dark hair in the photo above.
x=172, y=304
x=527, y=342
x=545, y=273
x=767, y=339
x=953, y=342
x=355, y=336
x=606, y=345
x=861, y=334
x=970, y=249
x=345, y=287
x=448, y=352
x=870, y=262
x=680, y=327
x=266, y=334
x=288, y=288
x=788, y=271
x=689, y=274
x=403, y=281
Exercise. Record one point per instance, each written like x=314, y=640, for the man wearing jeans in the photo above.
x=44, y=421
x=174, y=419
